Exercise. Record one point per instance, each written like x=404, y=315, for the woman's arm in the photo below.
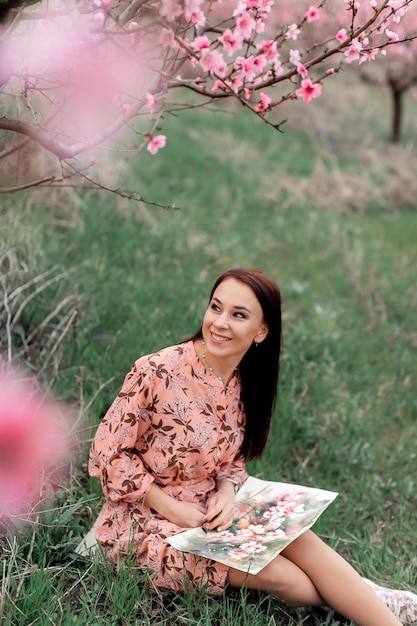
x=184, y=514
x=113, y=456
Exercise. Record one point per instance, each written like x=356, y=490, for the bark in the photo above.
x=397, y=113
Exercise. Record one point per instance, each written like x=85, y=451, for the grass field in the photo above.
x=328, y=209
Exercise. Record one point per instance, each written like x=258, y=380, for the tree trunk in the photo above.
x=397, y=112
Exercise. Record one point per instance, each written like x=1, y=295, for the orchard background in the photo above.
x=91, y=279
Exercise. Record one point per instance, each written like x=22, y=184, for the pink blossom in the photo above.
x=353, y=52
x=170, y=9
x=247, y=93
x=201, y=42
x=264, y=104
x=392, y=36
x=34, y=444
x=247, y=67
x=156, y=142
x=373, y=4
x=167, y=38
x=260, y=62
x=99, y=17
x=260, y=24
x=193, y=12
x=212, y=61
x=231, y=41
x=150, y=102
x=261, y=5
x=245, y=24
x=308, y=90
x=278, y=69
x=235, y=83
x=292, y=32
x=341, y=35
x=219, y=84
x=295, y=57
x=399, y=7
x=269, y=49
x=312, y=14
x=302, y=70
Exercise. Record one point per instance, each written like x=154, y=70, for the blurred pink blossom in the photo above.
x=341, y=35
x=156, y=143
x=312, y=14
x=308, y=90
x=264, y=104
x=34, y=445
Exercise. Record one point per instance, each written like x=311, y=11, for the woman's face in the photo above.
x=233, y=321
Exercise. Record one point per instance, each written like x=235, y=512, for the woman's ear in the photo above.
x=262, y=334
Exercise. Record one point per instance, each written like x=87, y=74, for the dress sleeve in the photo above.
x=234, y=470
x=113, y=455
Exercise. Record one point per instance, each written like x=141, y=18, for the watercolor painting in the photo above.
x=269, y=515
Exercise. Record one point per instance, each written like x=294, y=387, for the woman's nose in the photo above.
x=221, y=320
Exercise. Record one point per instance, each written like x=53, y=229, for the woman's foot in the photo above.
x=402, y=603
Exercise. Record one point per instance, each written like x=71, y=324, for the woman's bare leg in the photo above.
x=283, y=579
x=310, y=573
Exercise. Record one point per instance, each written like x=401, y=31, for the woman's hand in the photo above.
x=221, y=508
x=184, y=514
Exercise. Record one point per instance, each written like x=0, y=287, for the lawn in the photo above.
x=328, y=210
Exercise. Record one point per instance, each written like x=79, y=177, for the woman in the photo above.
x=171, y=452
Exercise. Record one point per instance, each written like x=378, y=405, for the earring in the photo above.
x=256, y=344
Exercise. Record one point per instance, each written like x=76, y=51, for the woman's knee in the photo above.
x=276, y=578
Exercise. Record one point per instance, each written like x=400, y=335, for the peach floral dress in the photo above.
x=173, y=423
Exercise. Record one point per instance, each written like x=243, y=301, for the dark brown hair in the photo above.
x=259, y=368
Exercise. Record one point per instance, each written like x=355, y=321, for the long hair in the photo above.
x=259, y=368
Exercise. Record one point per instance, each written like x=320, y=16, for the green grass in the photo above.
x=316, y=211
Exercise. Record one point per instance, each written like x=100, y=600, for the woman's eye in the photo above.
x=215, y=307
x=240, y=315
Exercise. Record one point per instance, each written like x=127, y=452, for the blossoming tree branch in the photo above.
x=80, y=77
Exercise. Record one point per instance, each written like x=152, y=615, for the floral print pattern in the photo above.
x=175, y=424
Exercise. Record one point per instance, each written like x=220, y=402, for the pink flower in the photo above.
x=295, y=56
x=292, y=32
x=269, y=49
x=341, y=35
x=278, y=69
x=302, y=70
x=231, y=41
x=264, y=104
x=391, y=35
x=247, y=67
x=170, y=9
x=245, y=24
x=218, y=84
x=312, y=14
x=34, y=445
x=308, y=90
x=167, y=38
x=193, y=12
x=157, y=142
x=235, y=83
x=259, y=62
x=150, y=102
x=212, y=61
x=201, y=42
x=353, y=53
